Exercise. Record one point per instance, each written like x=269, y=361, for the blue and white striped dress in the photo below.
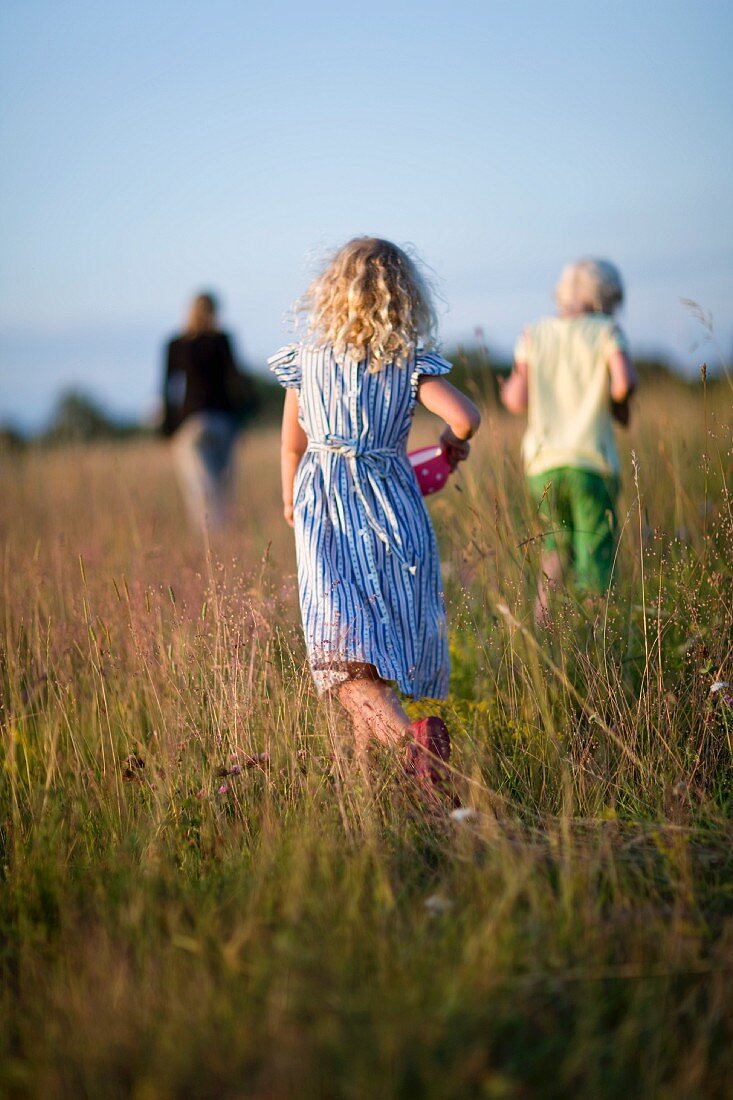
x=368, y=567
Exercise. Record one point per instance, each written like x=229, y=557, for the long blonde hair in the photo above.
x=201, y=315
x=372, y=297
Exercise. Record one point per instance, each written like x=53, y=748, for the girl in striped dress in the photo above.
x=368, y=570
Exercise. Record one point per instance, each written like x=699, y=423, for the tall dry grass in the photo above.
x=202, y=897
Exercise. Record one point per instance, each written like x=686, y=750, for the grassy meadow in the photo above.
x=202, y=896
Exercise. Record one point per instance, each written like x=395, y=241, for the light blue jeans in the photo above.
x=202, y=450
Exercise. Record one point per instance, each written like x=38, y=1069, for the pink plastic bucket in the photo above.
x=432, y=468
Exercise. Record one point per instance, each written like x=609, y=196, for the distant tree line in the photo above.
x=477, y=372
x=79, y=418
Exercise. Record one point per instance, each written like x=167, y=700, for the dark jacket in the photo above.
x=201, y=376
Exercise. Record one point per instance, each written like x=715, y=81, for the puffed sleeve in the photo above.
x=427, y=365
x=285, y=365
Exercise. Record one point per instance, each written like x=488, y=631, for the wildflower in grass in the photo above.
x=437, y=904
x=132, y=767
x=224, y=789
x=719, y=685
x=236, y=770
x=259, y=759
x=463, y=813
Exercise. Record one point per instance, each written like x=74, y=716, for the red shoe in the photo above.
x=429, y=743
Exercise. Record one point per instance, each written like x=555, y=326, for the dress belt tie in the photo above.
x=368, y=461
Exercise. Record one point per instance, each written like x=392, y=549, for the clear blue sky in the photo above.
x=152, y=148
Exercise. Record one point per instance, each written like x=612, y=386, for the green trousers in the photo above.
x=578, y=510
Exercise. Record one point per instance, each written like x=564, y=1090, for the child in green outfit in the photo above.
x=572, y=374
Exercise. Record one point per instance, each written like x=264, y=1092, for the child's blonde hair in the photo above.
x=590, y=285
x=373, y=298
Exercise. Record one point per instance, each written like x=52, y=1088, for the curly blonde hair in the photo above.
x=372, y=297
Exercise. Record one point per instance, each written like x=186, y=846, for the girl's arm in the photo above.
x=293, y=445
x=623, y=384
x=515, y=391
x=168, y=423
x=459, y=412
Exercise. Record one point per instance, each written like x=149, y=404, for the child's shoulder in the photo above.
x=548, y=323
x=603, y=332
x=430, y=362
x=299, y=351
x=285, y=364
x=532, y=335
x=294, y=362
x=595, y=323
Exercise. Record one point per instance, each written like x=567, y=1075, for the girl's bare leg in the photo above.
x=551, y=574
x=378, y=715
x=375, y=710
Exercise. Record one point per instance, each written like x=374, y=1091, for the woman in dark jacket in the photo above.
x=205, y=397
